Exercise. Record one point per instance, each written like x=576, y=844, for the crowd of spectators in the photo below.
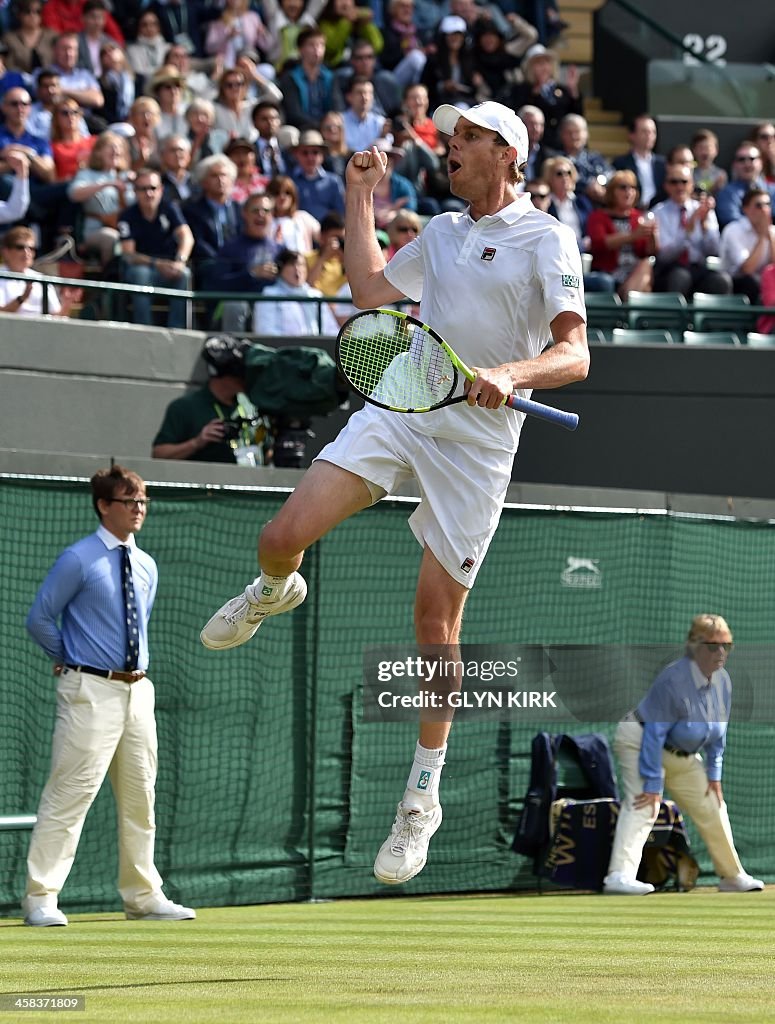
x=239, y=116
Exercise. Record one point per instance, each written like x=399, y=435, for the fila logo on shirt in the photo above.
x=468, y=564
x=488, y=254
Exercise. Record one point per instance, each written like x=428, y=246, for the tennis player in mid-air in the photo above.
x=499, y=282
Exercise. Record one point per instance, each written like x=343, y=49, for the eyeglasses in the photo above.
x=234, y=83
x=563, y=173
x=766, y=135
x=18, y=103
x=130, y=502
x=711, y=646
x=406, y=228
x=679, y=181
x=746, y=158
x=539, y=195
x=262, y=210
x=762, y=204
x=146, y=188
x=22, y=247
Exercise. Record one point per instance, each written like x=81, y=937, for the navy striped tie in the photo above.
x=130, y=605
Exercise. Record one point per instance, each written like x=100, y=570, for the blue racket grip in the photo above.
x=569, y=420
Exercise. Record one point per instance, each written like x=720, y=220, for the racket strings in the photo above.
x=396, y=362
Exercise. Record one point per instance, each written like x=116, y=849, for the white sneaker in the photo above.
x=45, y=916
x=237, y=621
x=162, y=909
x=617, y=884
x=405, y=851
x=741, y=883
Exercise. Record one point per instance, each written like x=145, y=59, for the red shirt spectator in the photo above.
x=67, y=16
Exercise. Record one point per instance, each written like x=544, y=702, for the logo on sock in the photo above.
x=424, y=780
x=267, y=591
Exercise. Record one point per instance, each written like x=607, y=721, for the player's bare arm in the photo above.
x=363, y=260
x=565, y=362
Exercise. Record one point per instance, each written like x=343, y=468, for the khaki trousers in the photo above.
x=102, y=727
x=686, y=781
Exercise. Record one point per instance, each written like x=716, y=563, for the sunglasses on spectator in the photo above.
x=679, y=181
x=713, y=646
x=18, y=103
x=146, y=188
x=233, y=83
x=766, y=135
x=22, y=247
x=539, y=195
x=745, y=158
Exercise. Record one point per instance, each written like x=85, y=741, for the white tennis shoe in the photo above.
x=405, y=851
x=45, y=914
x=740, y=883
x=618, y=884
x=237, y=621
x=161, y=909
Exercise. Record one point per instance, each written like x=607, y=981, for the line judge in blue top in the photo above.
x=91, y=617
x=685, y=712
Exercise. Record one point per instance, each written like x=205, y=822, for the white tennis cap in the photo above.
x=494, y=116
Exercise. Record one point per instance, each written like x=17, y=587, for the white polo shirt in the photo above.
x=490, y=288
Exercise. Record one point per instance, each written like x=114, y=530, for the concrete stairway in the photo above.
x=607, y=134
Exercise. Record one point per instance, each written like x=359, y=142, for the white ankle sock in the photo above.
x=267, y=589
x=422, y=786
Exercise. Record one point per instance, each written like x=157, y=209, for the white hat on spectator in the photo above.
x=452, y=23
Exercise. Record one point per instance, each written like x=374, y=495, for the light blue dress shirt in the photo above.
x=686, y=711
x=83, y=592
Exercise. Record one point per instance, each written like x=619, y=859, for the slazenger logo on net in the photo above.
x=582, y=573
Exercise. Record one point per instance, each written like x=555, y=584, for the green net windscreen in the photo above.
x=272, y=784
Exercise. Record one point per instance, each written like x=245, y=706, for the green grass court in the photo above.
x=566, y=959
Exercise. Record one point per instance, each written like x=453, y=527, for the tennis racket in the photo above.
x=399, y=363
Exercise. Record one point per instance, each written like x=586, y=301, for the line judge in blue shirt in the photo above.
x=101, y=589
x=685, y=711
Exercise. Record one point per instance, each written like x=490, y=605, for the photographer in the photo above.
x=216, y=423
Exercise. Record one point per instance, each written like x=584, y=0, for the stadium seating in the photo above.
x=755, y=340
x=628, y=336
x=658, y=310
x=710, y=338
x=722, y=313
x=604, y=311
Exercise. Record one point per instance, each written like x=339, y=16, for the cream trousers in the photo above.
x=687, y=783
x=102, y=727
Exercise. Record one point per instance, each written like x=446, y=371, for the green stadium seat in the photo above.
x=604, y=310
x=711, y=338
x=628, y=336
x=722, y=313
x=596, y=335
x=756, y=340
x=658, y=310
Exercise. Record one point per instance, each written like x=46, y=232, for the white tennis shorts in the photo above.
x=462, y=486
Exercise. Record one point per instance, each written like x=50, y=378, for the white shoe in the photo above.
x=237, y=621
x=617, y=884
x=405, y=851
x=741, y=883
x=162, y=909
x=45, y=916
